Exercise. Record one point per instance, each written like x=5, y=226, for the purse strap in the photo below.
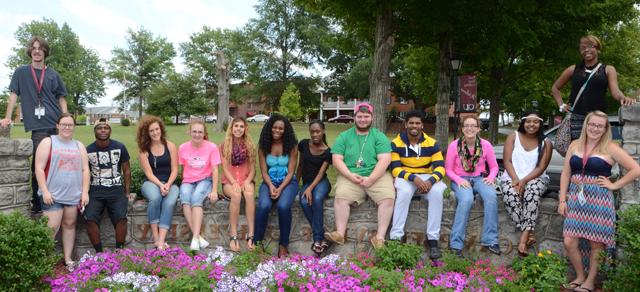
x=584, y=86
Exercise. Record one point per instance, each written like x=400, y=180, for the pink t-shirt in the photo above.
x=197, y=163
x=453, y=164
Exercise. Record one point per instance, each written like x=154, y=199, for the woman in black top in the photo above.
x=159, y=162
x=312, y=169
x=593, y=95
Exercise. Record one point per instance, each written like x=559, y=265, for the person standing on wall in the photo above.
x=42, y=99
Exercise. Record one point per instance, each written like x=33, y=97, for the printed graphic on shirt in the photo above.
x=69, y=160
x=196, y=162
x=104, y=168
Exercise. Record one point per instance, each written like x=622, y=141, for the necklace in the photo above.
x=360, y=162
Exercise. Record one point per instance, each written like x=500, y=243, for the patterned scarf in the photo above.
x=468, y=159
x=239, y=154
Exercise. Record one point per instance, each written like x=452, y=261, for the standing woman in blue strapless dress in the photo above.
x=278, y=157
x=586, y=199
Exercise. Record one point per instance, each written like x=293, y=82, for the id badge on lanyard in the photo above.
x=39, y=110
x=581, y=198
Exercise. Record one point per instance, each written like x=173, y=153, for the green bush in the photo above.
x=544, y=271
x=125, y=122
x=246, y=262
x=385, y=280
x=81, y=120
x=27, y=252
x=623, y=275
x=397, y=255
x=137, y=177
x=196, y=280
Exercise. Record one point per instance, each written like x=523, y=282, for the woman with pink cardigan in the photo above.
x=465, y=165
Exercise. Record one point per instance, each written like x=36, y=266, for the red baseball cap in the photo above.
x=363, y=107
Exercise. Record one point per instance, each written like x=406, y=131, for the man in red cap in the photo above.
x=361, y=156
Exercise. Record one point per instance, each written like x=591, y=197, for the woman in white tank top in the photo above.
x=524, y=181
x=62, y=172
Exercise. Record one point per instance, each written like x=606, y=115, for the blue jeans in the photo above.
x=464, y=198
x=315, y=211
x=194, y=193
x=160, y=208
x=283, y=203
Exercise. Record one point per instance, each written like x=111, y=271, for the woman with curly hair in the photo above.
x=199, y=159
x=159, y=161
x=238, y=159
x=278, y=155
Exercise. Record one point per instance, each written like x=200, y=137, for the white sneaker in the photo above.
x=203, y=243
x=195, y=245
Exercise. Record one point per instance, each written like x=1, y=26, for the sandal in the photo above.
x=524, y=253
x=582, y=289
x=250, y=242
x=234, y=239
x=532, y=239
x=317, y=248
x=571, y=286
x=282, y=251
x=70, y=265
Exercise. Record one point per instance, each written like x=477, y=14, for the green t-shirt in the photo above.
x=349, y=144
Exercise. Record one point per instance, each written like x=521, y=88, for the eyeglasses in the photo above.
x=469, y=126
x=66, y=126
x=596, y=126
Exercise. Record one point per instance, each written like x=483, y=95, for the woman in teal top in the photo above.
x=278, y=156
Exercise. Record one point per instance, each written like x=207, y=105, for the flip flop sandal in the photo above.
x=234, y=239
x=571, y=286
x=582, y=289
x=532, y=240
x=317, y=248
x=250, y=242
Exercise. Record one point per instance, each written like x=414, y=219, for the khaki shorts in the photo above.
x=380, y=190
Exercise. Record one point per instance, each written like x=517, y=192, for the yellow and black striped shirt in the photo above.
x=406, y=162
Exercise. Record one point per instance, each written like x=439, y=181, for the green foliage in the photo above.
x=544, y=271
x=290, y=103
x=385, y=280
x=177, y=95
x=81, y=119
x=79, y=67
x=247, y=262
x=27, y=252
x=196, y=280
x=398, y=255
x=125, y=122
x=454, y=263
x=624, y=275
x=137, y=177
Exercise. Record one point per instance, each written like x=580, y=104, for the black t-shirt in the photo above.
x=105, y=168
x=311, y=163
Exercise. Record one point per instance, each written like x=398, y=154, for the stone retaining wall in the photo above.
x=15, y=173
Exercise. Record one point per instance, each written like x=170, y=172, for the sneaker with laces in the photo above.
x=495, y=249
x=334, y=237
x=203, y=243
x=195, y=244
x=457, y=252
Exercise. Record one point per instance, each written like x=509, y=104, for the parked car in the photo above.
x=555, y=165
x=341, y=119
x=211, y=119
x=258, y=118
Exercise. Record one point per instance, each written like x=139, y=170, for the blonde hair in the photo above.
x=198, y=122
x=603, y=143
x=594, y=40
x=227, y=146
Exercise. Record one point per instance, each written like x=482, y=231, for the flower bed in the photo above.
x=218, y=270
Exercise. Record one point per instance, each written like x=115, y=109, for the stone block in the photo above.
x=631, y=133
x=630, y=148
x=6, y=147
x=6, y=196
x=629, y=113
x=23, y=193
x=14, y=176
x=5, y=133
x=24, y=147
x=15, y=162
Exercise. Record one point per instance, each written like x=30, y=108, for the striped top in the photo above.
x=423, y=158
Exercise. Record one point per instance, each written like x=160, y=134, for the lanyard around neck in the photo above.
x=35, y=79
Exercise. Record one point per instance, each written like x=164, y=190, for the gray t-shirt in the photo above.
x=64, y=178
x=24, y=86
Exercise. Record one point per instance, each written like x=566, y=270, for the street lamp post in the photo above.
x=321, y=91
x=455, y=66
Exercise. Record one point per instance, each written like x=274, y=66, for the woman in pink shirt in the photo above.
x=465, y=165
x=199, y=159
x=238, y=168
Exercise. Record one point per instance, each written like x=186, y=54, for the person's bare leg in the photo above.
x=573, y=253
x=342, y=209
x=55, y=219
x=162, y=239
x=250, y=211
x=594, y=264
x=234, y=214
x=154, y=233
x=522, y=245
x=196, y=221
x=69, y=217
x=121, y=231
x=186, y=211
x=385, y=211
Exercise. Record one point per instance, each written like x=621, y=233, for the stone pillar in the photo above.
x=15, y=173
x=630, y=117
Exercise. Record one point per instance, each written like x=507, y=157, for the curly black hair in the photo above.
x=289, y=140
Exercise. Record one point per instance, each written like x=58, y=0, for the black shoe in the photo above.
x=434, y=253
x=457, y=252
x=495, y=249
x=35, y=209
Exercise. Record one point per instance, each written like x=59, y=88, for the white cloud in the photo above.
x=99, y=16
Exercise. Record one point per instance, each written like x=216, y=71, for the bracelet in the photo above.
x=561, y=107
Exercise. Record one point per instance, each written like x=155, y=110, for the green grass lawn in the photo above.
x=178, y=135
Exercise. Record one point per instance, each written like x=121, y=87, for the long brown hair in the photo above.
x=227, y=147
x=142, y=137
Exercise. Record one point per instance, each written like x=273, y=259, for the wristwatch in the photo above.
x=562, y=106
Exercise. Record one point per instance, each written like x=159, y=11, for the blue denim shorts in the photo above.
x=54, y=206
x=194, y=193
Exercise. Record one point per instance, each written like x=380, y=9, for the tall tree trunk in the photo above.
x=497, y=76
x=222, y=64
x=140, y=99
x=443, y=93
x=379, y=78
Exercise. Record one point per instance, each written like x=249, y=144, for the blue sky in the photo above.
x=102, y=25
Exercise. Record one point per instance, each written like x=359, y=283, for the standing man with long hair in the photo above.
x=42, y=100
